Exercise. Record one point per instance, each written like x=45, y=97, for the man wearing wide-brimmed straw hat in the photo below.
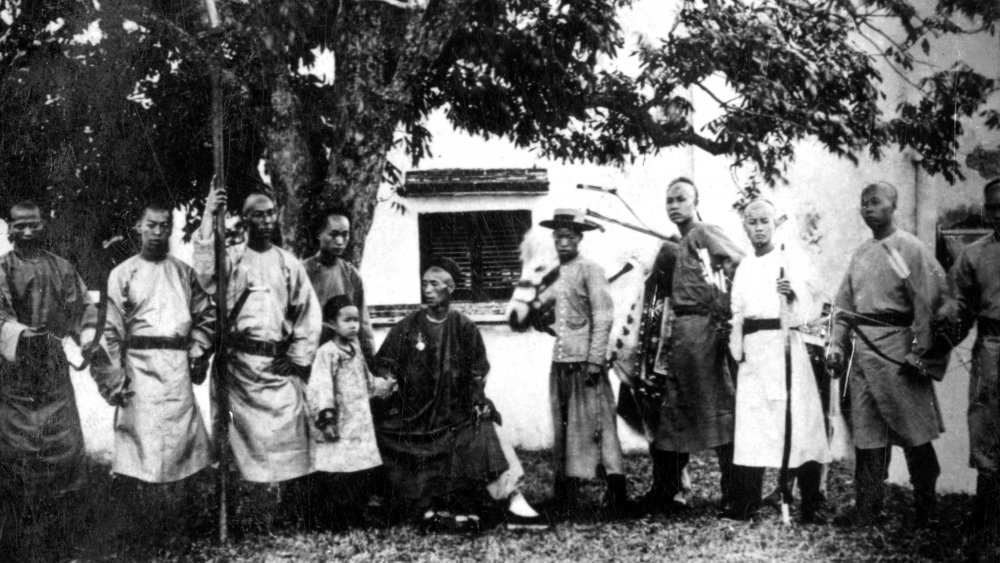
x=583, y=408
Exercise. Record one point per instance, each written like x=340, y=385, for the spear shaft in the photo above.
x=219, y=371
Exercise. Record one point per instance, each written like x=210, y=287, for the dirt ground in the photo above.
x=117, y=519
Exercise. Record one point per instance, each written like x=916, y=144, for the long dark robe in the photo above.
x=430, y=441
x=41, y=442
x=974, y=297
x=700, y=394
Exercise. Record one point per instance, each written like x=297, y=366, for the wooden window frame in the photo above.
x=471, y=231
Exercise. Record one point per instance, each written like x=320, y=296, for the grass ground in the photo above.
x=115, y=520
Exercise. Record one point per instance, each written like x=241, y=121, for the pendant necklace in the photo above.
x=421, y=342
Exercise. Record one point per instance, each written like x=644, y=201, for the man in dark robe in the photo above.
x=331, y=274
x=436, y=434
x=42, y=301
x=974, y=298
x=699, y=396
x=891, y=290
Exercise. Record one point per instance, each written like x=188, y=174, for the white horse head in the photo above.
x=539, y=268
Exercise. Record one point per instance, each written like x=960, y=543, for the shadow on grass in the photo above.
x=117, y=519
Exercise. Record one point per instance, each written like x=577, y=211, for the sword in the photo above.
x=786, y=452
x=90, y=349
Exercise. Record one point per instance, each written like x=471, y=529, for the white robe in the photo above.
x=269, y=432
x=159, y=436
x=760, y=389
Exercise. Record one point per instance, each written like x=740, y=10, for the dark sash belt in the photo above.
x=751, y=326
x=690, y=310
x=882, y=319
x=157, y=343
x=987, y=326
x=255, y=347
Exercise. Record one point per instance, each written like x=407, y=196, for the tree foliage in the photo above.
x=92, y=128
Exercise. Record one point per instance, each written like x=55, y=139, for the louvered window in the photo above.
x=484, y=243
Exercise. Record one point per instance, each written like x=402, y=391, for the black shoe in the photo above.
x=466, y=524
x=739, y=514
x=974, y=523
x=815, y=515
x=516, y=522
x=926, y=517
x=855, y=517
x=658, y=503
x=433, y=522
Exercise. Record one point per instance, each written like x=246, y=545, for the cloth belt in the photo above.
x=690, y=310
x=157, y=343
x=882, y=319
x=751, y=326
x=987, y=326
x=255, y=347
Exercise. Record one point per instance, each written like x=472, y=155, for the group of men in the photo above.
x=727, y=386
x=896, y=319
x=158, y=330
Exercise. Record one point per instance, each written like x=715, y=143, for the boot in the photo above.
x=727, y=474
x=744, y=495
x=925, y=506
x=985, y=508
x=668, y=468
x=869, y=486
x=616, y=500
x=567, y=492
x=809, y=476
x=660, y=493
x=924, y=470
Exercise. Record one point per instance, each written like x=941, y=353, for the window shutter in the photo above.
x=486, y=245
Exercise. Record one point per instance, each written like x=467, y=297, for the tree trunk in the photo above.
x=381, y=50
x=289, y=162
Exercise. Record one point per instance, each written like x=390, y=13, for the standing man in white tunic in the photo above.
x=762, y=281
x=273, y=332
x=159, y=333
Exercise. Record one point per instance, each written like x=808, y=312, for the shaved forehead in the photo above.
x=760, y=206
x=25, y=209
x=439, y=274
x=256, y=201
x=683, y=185
x=885, y=189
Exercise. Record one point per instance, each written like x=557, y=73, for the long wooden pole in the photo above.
x=784, y=483
x=636, y=228
x=219, y=372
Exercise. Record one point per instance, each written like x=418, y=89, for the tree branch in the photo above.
x=661, y=135
x=404, y=4
x=425, y=40
x=894, y=68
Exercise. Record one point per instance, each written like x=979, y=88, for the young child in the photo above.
x=343, y=434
